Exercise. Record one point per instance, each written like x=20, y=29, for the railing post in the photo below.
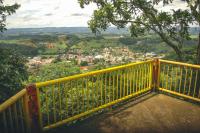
x=156, y=74
x=33, y=106
x=27, y=114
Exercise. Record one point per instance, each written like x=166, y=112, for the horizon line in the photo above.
x=59, y=27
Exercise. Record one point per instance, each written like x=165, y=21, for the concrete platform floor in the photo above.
x=155, y=113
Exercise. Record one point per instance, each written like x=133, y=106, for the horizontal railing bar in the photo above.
x=12, y=100
x=179, y=94
x=180, y=64
x=8, y=103
x=46, y=83
x=94, y=110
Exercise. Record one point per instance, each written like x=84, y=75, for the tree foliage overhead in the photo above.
x=145, y=16
x=6, y=10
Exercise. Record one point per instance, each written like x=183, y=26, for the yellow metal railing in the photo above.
x=49, y=104
x=14, y=114
x=180, y=79
x=67, y=99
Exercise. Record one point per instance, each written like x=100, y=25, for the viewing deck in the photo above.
x=152, y=113
x=149, y=96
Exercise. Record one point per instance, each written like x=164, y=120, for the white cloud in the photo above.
x=49, y=13
x=58, y=13
x=177, y=4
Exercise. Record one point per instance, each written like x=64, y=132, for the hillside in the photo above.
x=74, y=30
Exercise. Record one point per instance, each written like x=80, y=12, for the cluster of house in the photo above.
x=112, y=55
x=38, y=61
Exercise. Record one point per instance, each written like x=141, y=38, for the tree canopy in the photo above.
x=145, y=16
x=53, y=71
x=13, y=72
x=6, y=10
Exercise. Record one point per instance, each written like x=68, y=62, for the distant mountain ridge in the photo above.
x=69, y=30
x=74, y=30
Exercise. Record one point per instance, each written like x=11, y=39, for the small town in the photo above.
x=109, y=56
x=99, y=66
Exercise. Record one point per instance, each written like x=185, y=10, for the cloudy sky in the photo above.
x=49, y=13
x=54, y=13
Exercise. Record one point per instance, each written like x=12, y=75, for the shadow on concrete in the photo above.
x=149, y=113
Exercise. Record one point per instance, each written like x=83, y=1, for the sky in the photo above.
x=56, y=13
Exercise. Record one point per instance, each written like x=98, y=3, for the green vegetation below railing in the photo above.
x=70, y=98
x=180, y=79
x=46, y=105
